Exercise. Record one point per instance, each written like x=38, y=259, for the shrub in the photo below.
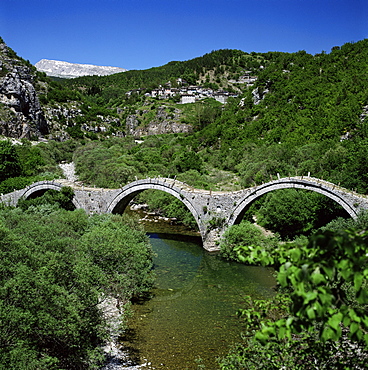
x=245, y=235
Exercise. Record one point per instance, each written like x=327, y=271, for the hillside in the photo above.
x=221, y=69
x=291, y=113
x=304, y=114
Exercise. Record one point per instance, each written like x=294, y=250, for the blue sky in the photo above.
x=139, y=34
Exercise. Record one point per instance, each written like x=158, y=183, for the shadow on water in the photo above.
x=190, y=238
x=192, y=313
x=130, y=336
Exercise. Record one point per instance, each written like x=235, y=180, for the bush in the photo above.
x=245, y=235
x=9, y=161
x=56, y=268
x=292, y=212
x=62, y=199
x=14, y=183
x=326, y=281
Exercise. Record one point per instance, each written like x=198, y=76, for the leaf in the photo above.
x=262, y=338
x=317, y=278
x=354, y=327
x=289, y=322
x=329, y=270
x=282, y=332
x=295, y=254
x=310, y=296
x=366, y=339
x=310, y=313
x=346, y=321
x=353, y=315
x=358, y=280
x=335, y=321
x=327, y=334
x=362, y=296
x=282, y=278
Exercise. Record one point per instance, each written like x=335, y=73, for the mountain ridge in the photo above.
x=62, y=69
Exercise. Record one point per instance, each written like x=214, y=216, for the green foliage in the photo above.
x=15, y=183
x=20, y=182
x=75, y=132
x=55, y=152
x=62, y=199
x=188, y=160
x=361, y=223
x=54, y=273
x=301, y=353
x=168, y=206
x=206, y=112
x=9, y=161
x=291, y=212
x=246, y=237
x=25, y=164
x=318, y=274
x=176, y=209
x=194, y=178
x=322, y=313
x=58, y=93
x=106, y=164
x=127, y=265
x=30, y=158
x=327, y=280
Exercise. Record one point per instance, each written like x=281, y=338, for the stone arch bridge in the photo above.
x=214, y=211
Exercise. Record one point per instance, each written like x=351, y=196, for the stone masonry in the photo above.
x=213, y=211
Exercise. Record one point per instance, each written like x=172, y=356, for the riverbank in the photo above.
x=117, y=357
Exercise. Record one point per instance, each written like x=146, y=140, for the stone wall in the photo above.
x=214, y=212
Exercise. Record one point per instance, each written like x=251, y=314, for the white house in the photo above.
x=187, y=99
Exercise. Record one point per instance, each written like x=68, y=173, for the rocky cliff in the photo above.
x=21, y=115
x=31, y=108
x=56, y=68
x=162, y=123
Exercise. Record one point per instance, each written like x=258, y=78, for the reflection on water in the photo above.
x=193, y=310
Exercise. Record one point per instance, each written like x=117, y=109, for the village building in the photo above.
x=192, y=93
x=185, y=99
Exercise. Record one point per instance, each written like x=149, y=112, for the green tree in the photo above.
x=188, y=160
x=9, y=161
x=292, y=212
x=62, y=199
x=55, y=270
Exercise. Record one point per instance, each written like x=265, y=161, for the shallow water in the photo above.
x=192, y=315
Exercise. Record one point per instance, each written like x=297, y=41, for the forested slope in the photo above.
x=304, y=114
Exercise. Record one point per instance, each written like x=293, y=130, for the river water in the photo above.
x=191, y=318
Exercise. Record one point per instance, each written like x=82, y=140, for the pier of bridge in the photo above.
x=214, y=211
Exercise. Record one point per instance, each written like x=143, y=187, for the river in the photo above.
x=191, y=318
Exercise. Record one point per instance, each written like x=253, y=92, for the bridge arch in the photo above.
x=130, y=191
x=315, y=185
x=42, y=187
